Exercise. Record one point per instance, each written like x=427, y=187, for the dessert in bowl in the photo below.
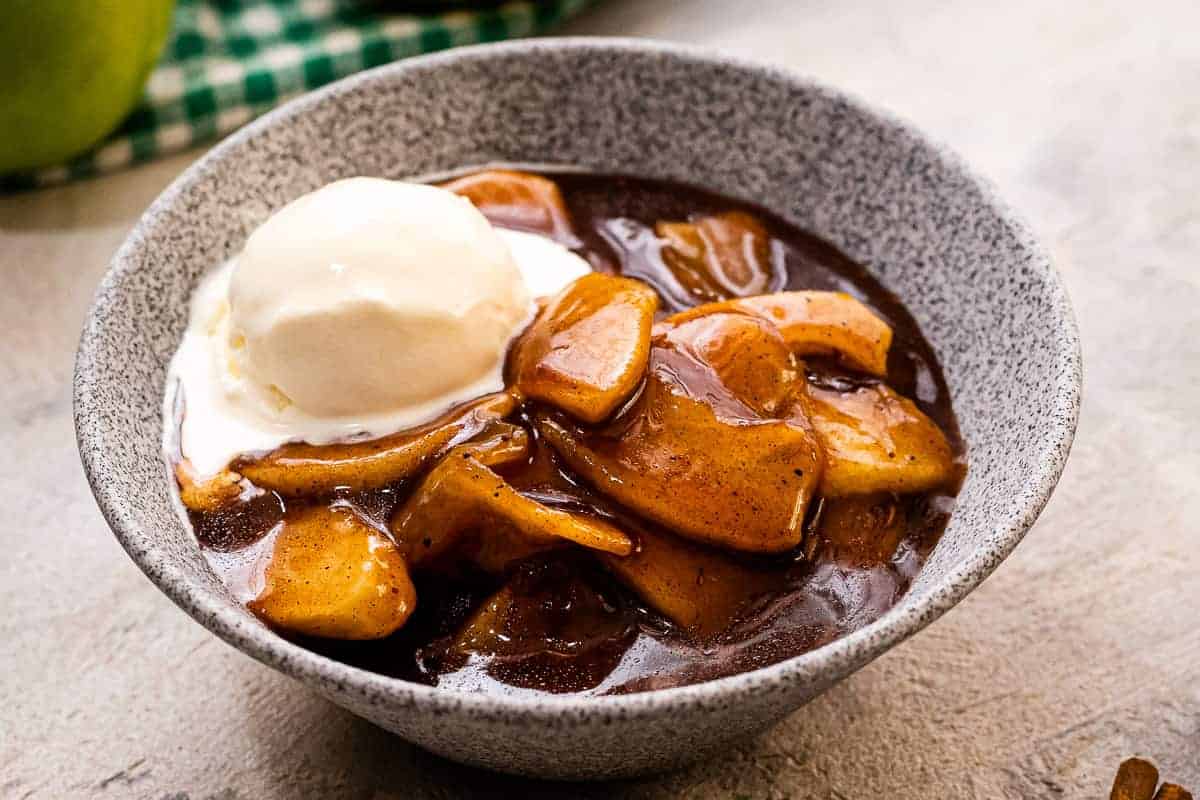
x=449, y=425
x=689, y=452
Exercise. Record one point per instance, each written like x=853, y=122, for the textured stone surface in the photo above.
x=1080, y=651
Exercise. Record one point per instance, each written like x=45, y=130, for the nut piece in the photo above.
x=1135, y=780
x=1172, y=791
x=586, y=352
x=334, y=576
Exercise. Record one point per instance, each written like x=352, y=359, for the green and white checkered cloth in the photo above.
x=227, y=61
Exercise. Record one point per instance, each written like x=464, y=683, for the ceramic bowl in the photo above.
x=978, y=283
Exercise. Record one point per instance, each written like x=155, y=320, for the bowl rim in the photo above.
x=839, y=657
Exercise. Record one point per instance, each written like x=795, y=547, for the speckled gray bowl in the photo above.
x=981, y=288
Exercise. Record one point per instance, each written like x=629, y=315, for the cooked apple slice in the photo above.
x=817, y=324
x=463, y=505
x=486, y=630
x=716, y=447
x=863, y=530
x=518, y=200
x=501, y=444
x=586, y=351
x=877, y=441
x=307, y=470
x=699, y=589
x=435, y=517
x=719, y=256
x=207, y=494
x=333, y=575
x=542, y=611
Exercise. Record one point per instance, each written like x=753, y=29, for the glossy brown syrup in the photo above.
x=573, y=627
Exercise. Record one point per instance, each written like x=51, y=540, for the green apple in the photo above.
x=70, y=70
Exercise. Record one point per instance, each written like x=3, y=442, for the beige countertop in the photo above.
x=1082, y=649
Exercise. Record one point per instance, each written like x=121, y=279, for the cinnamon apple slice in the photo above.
x=521, y=200
x=306, y=470
x=332, y=575
x=587, y=350
x=699, y=589
x=877, y=441
x=718, y=256
x=464, y=510
x=817, y=324
x=716, y=447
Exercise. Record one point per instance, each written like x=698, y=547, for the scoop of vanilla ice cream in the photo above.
x=364, y=308
x=370, y=295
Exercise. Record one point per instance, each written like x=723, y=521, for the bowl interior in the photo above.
x=982, y=291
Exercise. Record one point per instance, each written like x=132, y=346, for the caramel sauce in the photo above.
x=562, y=621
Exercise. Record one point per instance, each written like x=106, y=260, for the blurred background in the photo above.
x=91, y=87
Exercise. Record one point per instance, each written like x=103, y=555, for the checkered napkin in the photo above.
x=227, y=61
